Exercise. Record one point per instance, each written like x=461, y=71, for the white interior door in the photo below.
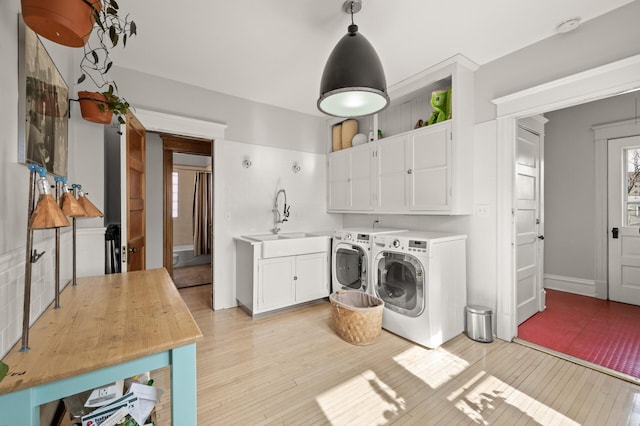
x=529, y=238
x=624, y=220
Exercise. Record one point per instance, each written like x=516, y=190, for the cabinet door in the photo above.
x=275, y=283
x=311, y=279
x=429, y=168
x=391, y=174
x=338, y=180
x=360, y=171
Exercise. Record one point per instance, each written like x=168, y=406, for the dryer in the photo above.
x=351, y=258
x=421, y=276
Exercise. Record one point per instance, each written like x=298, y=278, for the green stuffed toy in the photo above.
x=441, y=103
x=4, y=369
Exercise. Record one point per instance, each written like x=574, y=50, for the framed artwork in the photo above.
x=43, y=106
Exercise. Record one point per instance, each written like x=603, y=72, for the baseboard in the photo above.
x=570, y=285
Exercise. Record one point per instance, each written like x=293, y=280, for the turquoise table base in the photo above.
x=22, y=408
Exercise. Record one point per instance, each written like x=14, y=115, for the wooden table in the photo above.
x=108, y=328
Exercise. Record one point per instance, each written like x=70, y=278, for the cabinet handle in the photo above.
x=295, y=278
x=409, y=171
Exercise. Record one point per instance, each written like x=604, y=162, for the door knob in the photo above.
x=541, y=237
x=133, y=249
x=614, y=232
x=409, y=171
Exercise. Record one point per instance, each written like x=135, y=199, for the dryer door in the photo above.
x=350, y=268
x=400, y=283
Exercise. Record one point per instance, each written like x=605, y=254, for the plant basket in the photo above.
x=90, y=107
x=356, y=316
x=67, y=22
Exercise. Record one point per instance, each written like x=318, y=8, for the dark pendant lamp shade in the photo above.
x=353, y=82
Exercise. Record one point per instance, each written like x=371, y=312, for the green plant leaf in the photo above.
x=82, y=78
x=113, y=35
x=96, y=17
x=133, y=29
x=114, y=4
x=4, y=369
x=112, y=11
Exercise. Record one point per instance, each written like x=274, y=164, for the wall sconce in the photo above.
x=45, y=215
x=246, y=163
x=295, y=168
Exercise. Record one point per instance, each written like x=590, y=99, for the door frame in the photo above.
x=612, y=79
x=602, y=134
x=158, y=122
x=172, y=145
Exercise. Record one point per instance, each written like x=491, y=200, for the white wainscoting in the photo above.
x=90, y=251
x=12, y=271
x=570, y=285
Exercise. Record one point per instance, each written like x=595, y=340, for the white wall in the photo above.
x=84, y=167
x=245, y=198
x=247, y=121
x=600, y=41
x=569, y=184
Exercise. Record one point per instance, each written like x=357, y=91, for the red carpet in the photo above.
x=599, y=331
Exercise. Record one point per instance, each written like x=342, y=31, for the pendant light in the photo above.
x=353, y=82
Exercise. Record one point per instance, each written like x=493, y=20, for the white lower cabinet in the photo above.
x=286, y=281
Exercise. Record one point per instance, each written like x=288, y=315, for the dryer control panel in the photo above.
x=417, y=245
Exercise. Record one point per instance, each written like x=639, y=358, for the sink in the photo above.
x=290, y=244
x=264, y=237
x=297, y=235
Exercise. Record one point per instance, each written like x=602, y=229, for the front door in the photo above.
x=134, y=196
x=529, y=238
x=624, y=220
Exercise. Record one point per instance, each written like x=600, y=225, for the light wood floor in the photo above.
x=290, y=368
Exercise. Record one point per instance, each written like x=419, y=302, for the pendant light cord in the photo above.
x=352, y=14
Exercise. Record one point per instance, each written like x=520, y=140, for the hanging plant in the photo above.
x=111, y=30
x=67, y=22
x=100, y=107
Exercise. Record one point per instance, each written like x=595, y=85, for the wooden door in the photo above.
x=624, y=220
x=529, y=237
x=136, y=193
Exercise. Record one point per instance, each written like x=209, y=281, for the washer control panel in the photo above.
x=403, y=244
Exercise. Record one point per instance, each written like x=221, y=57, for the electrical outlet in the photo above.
x=482, y=210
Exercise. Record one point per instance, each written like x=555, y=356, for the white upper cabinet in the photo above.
x=412, y=170
x=391, y=174
x=350, y=179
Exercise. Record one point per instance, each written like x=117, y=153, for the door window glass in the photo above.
x=632, y=186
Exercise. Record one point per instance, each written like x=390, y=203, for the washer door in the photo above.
x=400, y=283
x=350, y=267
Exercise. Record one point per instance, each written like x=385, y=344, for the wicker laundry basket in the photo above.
x=356, y=316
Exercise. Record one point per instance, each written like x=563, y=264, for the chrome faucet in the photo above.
x=277, y=216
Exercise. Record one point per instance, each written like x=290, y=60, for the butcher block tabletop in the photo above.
x=103, y=321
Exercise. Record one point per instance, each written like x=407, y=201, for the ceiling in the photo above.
x=274, y=51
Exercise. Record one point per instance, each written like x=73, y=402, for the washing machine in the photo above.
x=421, y=276
x=351, y=257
